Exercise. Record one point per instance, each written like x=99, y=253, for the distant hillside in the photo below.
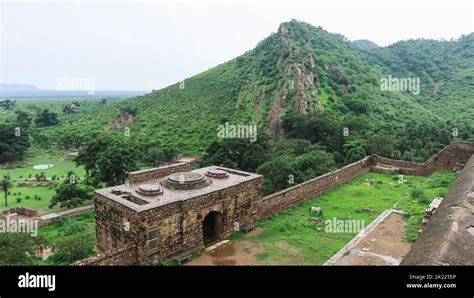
x=365, y=44
x=300, y=69
x=17, y=87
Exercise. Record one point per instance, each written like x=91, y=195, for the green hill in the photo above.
x=300, y=69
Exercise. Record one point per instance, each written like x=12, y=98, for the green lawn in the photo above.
x=27, y=194
x=291, y=237
x=36, y=157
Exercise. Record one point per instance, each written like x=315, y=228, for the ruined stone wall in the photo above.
x=292, y=196
x=450, y=156
x=111, y=220
x=22, y=211
x=446, y=159
x=448, y=238
x=156, y=173
x=404, y=167
x=122, y=256
x=180, y=223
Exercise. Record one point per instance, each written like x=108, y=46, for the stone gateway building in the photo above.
x=170, y=211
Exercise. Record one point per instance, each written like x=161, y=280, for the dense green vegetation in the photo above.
x=346, y=80
x=302, y=86
x=72, y=239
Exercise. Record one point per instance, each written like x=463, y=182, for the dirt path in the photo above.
x=383, y=246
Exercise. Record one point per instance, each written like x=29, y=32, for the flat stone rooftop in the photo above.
x=175, y=187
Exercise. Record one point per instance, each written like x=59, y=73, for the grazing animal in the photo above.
x=317, y=210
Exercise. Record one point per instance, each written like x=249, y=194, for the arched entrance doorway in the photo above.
x=212, y=227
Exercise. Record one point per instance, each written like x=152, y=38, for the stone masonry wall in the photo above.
x=448, y=238
x=292, y=196
x=123, y=256
x=111, y=225
x=179, y=223
x=446, y=159
x=156, y=173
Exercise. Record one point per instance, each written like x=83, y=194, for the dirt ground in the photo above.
x=237, y=252
x=383, y=246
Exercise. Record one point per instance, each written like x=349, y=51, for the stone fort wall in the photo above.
x=448, y=238
x=289, y=197
x=156, y=173
x=446, y=159
x=450, y=156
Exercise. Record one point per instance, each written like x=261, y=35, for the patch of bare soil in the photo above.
x=237, y=252
x=383, y=246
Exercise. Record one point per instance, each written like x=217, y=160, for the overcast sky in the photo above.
x=131, y=45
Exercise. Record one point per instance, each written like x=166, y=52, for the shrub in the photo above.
x=424, y=200
x=74, y=248
x=417, y=193
x=18, y=200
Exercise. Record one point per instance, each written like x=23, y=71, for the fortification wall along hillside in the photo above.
x=450, y=156
x=446, y=159
x=459, y=204
x=292, y=196
x=448, y=238
x=156, y=173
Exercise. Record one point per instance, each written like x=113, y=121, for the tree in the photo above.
x=157, y=155
x=70, y=108
x=69, y=194
x=73, y=248
x=313, y=127
x=279, y=173
x=314, y=163
x=42, y=140
x=237, y=153
x=23, y=119
x=7, y=104
x=380, y=144
x=6, y=184
x=108, y=159
x=17, y=249
x=353, y=151
x=13, y=143
x=46, y=118
x=114, y=164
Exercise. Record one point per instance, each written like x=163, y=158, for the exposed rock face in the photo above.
x=300, y=82
x=448, y=239
x=125, y=118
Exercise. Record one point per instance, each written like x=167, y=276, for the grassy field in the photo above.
x=293, y=237
x=38, y=197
